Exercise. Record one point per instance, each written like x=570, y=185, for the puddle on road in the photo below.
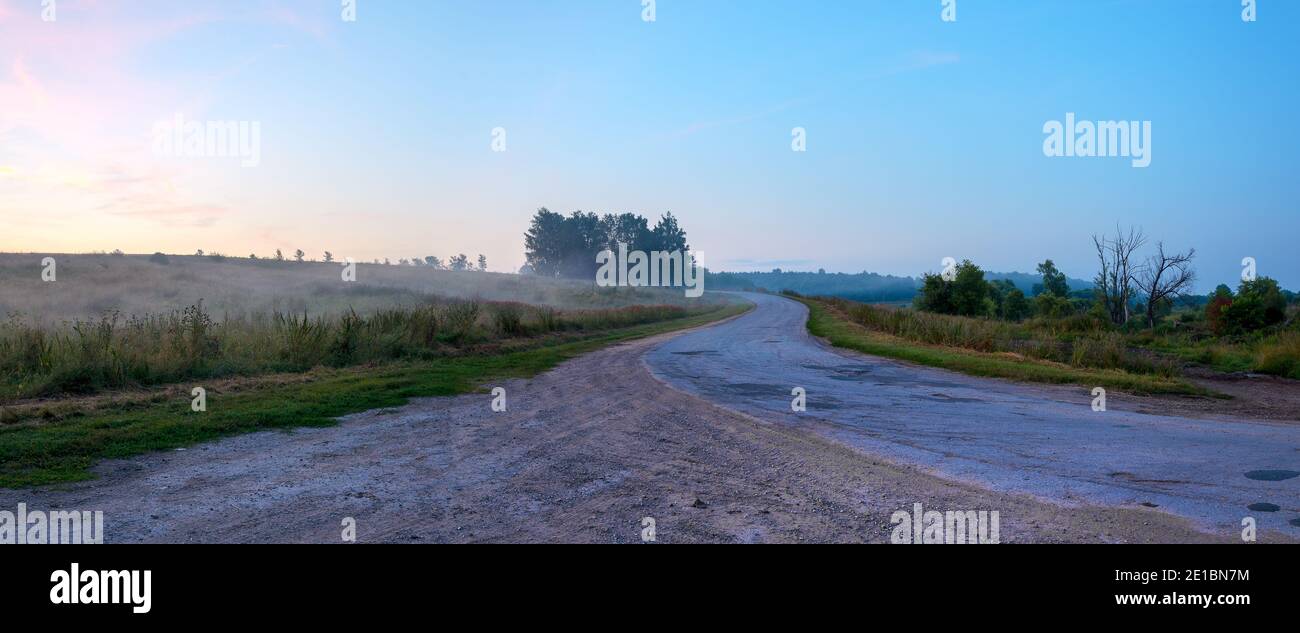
x=1263, y=507
x=1271, y=475
x=698, y=352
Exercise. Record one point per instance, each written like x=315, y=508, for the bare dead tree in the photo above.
x=1114, y=282
x=1165, y=276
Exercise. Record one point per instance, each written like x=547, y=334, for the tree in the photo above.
x=668, y=235
x=969, y=290
x=543, y=243
x=1259, y=303
x=459, y=262
x=1164, y=277
x=279, y=257
x=482, y=263
x=967, y=294
x=1054, y=281
x=298, y=255
x=198, y=253
x=1051, y=306
x=629, y=229
x=329, y=257
x=1015, y=307
x=935, y=295
x=1115, y=280
x=435, y=262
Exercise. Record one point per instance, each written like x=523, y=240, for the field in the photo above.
x=91, y=286
x=113, y=323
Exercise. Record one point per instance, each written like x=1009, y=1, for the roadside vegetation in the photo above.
x=1136, y=328
x=984, y=348
x=46, y=442
x=112, y=352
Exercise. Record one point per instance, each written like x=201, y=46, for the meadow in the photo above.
x=115, y=322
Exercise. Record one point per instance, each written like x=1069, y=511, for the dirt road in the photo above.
x=582, y=453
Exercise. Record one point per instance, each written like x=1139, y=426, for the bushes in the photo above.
x=509, y=319
x=87, y=356
x=1079, y=340
x=1281, y=358
x=1258, y=304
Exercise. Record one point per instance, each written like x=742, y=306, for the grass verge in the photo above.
x=37, y=453
x=828, y=323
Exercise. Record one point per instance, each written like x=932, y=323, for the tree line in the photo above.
x=557, y=245
x=1129, y=289
x=459, y=262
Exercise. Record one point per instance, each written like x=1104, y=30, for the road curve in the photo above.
x=584, y=453
x=1008, y=437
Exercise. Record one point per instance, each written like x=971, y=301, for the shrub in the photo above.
x=509, y=319
x=1281, y=358
x=459, y=318
x=159, y=258
x=1214, y=314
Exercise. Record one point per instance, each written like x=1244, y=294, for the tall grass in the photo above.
x=85, y=356
x=1074, y=342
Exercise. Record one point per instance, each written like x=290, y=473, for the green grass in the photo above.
x=833, y=325
x=1276, y=353
x=36, y=453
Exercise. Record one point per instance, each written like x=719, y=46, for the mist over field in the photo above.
x=90, y=286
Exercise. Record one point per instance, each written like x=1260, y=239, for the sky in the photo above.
x=924, y=138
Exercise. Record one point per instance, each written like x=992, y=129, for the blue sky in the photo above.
x=924, y=137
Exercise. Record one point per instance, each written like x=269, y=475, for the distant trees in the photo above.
x=566, y=246
x=1165, y=277
x=458, y=262
x=329, y=257
x=279, y=257
x=298, y=255
x=1015, y=307
x=966, y=295
x=1258, y=303
x=434, y=262
x=482, y=263
x=1054, y=281
x=1115, y=281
